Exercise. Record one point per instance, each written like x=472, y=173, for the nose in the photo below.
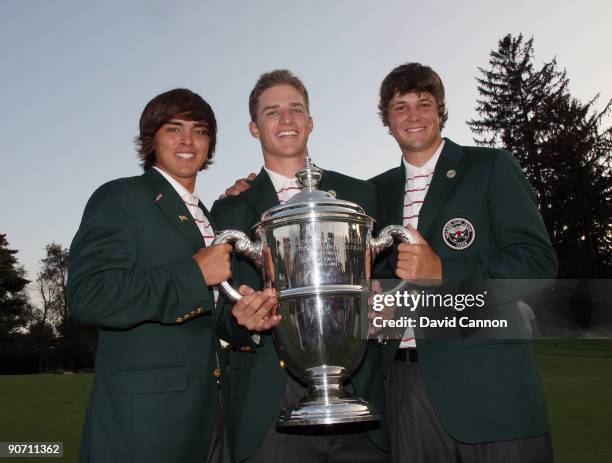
x=413, y=114
x=286, y=116
x=187, y=138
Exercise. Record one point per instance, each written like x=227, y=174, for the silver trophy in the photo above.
x=316, y=251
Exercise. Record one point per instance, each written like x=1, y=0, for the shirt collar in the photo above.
x=180, y=189
x=278, y=180
x=429, y=166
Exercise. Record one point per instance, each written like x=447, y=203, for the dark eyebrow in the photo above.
x=179, y=123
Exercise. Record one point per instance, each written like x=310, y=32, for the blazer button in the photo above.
x=217, y=373
x=281, y=364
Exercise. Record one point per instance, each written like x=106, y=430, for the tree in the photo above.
x=13, y=305
x=13, y=300
x=561, y=147
x=52, y=280
x=76, y=344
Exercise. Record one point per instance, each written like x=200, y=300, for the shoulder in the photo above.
x=354, y=190
x=117, y=190
x=489, y=156
x=382, y=179
x=231, y=209
x=341, y=180
x=493, y=162
x=237, y=203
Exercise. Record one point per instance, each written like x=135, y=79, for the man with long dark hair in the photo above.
x=142, y=269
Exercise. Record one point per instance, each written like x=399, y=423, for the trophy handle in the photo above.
x=243, y=245
x=385, y=239
x=387, y=236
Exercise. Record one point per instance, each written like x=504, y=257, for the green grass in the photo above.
x=577, y=377
x=44, y=408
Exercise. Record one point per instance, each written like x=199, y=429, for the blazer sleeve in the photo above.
x=105, y=285
x=523, y=248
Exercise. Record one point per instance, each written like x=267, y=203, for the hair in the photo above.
x=411, y=77
x=173, y=103
x=272, y=79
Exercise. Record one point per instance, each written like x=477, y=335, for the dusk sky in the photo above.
x=76, y=76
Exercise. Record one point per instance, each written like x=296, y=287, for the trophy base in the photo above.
x=339, y=410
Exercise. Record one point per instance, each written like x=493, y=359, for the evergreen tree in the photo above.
x=561, y=147
x=13, y=299
x=14, y=309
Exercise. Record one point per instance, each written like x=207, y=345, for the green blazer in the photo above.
x=132, y=274
x=483, y=390
x=258, y=381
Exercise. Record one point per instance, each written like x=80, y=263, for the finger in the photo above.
x=251, y=176
x=409, y=251
x=223, y=195
x=416, y=235
x=246, y=290
x=266, y=307
x=268, y=323
x=225, y=248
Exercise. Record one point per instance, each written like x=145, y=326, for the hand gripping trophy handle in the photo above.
x=243, y=245
x=385, y=239
x=387, y=235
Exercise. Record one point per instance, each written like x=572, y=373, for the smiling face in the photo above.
x=414, y=122
x=282, y=124
x=181, y=149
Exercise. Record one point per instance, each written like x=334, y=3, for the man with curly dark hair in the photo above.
x=475, y=217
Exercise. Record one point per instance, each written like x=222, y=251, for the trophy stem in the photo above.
x=326, y=403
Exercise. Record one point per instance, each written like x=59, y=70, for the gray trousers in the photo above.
x=418, y=437
x=325, y=444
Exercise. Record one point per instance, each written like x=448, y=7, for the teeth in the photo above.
x=416, y=130
x=185, y=155
x=287, y=133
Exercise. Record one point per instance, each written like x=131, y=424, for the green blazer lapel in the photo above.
x=262, y=195
x=393, y=196
x=173, y=207
x=446, y=174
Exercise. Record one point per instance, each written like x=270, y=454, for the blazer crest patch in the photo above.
x=458, y=233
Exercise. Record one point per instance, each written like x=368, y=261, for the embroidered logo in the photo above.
x=458, y=233
x=183, y=218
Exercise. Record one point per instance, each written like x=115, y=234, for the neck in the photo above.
x=284, y=166
x=188, y=182
x=420, y=158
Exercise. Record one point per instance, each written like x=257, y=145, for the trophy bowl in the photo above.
x=316, y=251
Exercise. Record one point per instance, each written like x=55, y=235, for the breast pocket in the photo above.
x=150, y=379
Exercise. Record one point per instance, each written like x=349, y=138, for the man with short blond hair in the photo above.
x=281, y=121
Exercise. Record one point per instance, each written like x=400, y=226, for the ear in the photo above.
x=254, y=130
x=310, y=125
